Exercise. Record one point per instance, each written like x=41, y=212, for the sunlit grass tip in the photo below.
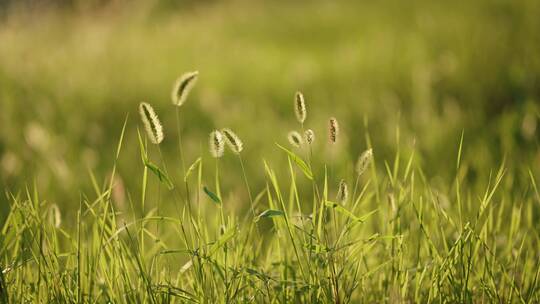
x=300, y=107
x=151, y=123
x=309, y=135
x=183, y=86
x=295, y=139
x=233, y=141
x=343, y=192
x=217, y=144
x=363, y=161
x=333, y=130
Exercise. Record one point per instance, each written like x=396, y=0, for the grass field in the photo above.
x=428, y=194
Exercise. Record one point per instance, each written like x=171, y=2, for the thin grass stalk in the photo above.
x=287, y=225
x=179, y=132
x=297, y=199
x=158, y=210
x=176, y=193
x=223, y=222
x=79, y=262
x=182, y=160
x=218, y=190
x=247, y=186
x=252, y=207
x=316, y=196
x=107, y=204
x=333, y=138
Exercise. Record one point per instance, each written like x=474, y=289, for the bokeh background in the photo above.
x=70, y=73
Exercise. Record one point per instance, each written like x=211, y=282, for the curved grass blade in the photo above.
x=192, y=168
x=270, y=213
x=339, y=208
x=162, y=176
x=299, y=162
x=212, y=195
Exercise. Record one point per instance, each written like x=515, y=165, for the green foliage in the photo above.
x=445, y=94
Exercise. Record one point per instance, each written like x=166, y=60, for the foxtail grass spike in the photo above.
x=233, y=141
x=363, y=161
x=56, y=216
x=183, y=86
x=217, y=144
x=309, y=136
x=300, y=107
x=295, y=139
x=151, y=123
x=333, y=130
x=343, y=192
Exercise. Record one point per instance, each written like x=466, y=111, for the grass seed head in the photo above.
x=55, y=215
x=217, y=144
x=363, y=161
x=233, y=141
x=309, y=136
x=333, y=130
x=343, y=192
x=151, y=123
x=295, y=139
x=300, y=107
x=183, y=86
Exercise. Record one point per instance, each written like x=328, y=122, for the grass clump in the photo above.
x=396, y=238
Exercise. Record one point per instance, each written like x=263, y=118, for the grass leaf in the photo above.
x=212, y=195
x=162, y=176
x=270, y=213
x=339, y=208
x=299, y=162
x=192, y=168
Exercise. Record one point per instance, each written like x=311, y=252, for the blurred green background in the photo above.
x=71, y=71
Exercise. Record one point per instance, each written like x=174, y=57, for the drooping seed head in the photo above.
x=183, y=86
x=333, y=129
x=295, y=139
x=233, y=141
x=363, y=161
x=300, y=107
x=309, y=136
x=343, y=192
x=151, y=122
x=217, y=144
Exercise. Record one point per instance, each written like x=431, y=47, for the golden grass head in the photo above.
x=309, y=135
x=295, y=139
x=151, y=122
x=183, y=86
x=300, y=107
x=233, y=141
x=333, y=130
x=217, y=144
x=343, y=192
x=363, y=161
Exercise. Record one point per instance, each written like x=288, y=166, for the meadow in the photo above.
x=271, y=152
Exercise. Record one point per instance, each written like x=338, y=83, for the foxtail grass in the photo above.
x=152, y=125
x=295, y=139
x=300, y=107
x=182, y=87
x=402, y=237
